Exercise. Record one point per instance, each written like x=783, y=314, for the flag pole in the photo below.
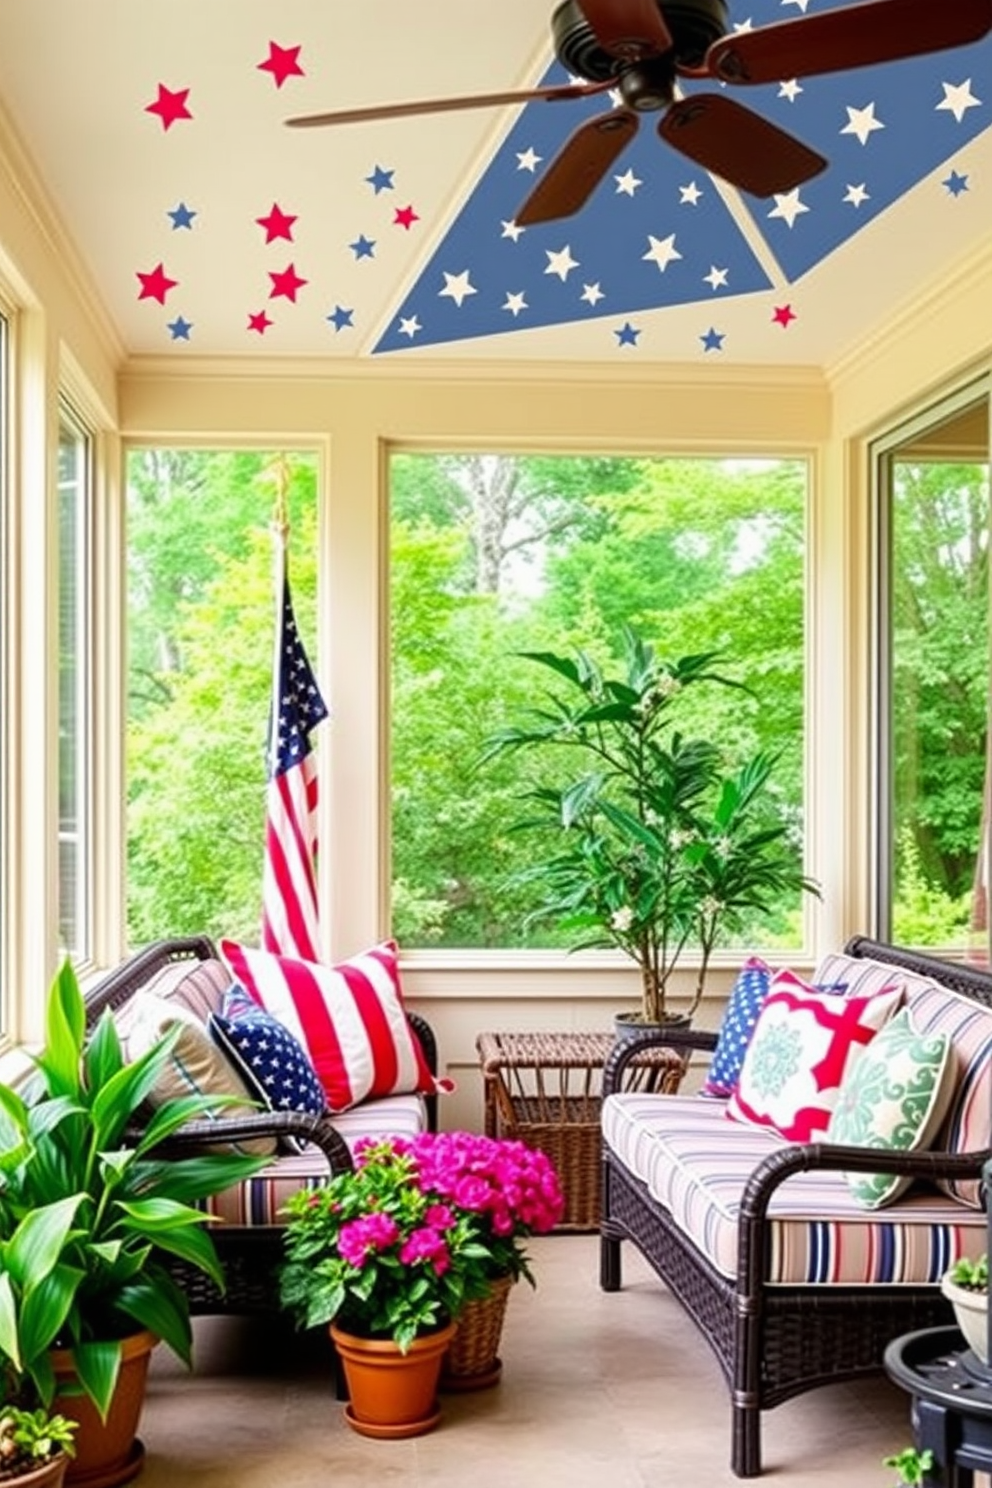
x=279, y=527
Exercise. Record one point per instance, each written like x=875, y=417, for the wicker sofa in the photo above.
x=756, y=1236
x=247, y=1234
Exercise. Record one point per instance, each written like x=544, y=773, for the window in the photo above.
x=932, y=742
x=75, y=472
x=494, y=554
x=5, y=667
x=201, y=618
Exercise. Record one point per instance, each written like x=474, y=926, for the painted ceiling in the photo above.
x=157, y=132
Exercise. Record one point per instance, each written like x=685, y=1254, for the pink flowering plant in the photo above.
x=394, y=1248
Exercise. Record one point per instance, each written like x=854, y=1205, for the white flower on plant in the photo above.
x=722, y=845
x=622, y=919
x=710, y=907
x=681, y=836
x=667, y=686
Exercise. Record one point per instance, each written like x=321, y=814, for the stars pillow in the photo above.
x=804, y=1046
x=739, y=1019
x=350, y=1018
x=271, y=1061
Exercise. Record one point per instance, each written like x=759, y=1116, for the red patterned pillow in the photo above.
x=802, y=1048
x=350, y=1018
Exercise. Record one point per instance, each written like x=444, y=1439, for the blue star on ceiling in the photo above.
x=363, y=247
x=179, y=329
x=656, y=232
x=627, y=334
x=182, y=216
x=381, y=180
x=956, y=183
x=713, y=340
x=340, y=317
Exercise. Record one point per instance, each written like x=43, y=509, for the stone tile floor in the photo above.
x=617, y=1390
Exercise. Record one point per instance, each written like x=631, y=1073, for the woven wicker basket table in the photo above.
x=544, y=1089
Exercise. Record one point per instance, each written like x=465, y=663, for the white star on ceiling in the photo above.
x=790, y=90
x=716, y=278
x=511, y=230
x=862, y=122
x=801, y=3
x=561, y=262
x=958, y=99
x=515, y=303
x=662, y=251
x=628, y=183
x=528, y=160
x=788, y=206
x=689, y=195
x=457, y=287
x=856, y=194
x=591, y=294
x=409, y=326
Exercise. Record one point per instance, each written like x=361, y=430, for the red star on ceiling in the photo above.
x=277, y=224
x=282, y=62
x=169, y=106
x=405, y=217
x=783, y=315
x=287, y=283
x=259, y=322
x=156, y=285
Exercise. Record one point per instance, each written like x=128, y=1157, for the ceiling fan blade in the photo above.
x=858, y=36
x=738, y=145
x=579, y=166
x=628, y=29
x=447, y=105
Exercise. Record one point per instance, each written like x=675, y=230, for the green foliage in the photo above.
x=911, y=1465
x=89, y=1213
x=971, y=1273
x=923, y=914
x=654, y=843
x=29, y=1438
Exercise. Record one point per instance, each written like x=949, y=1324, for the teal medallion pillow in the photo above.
x=895, y=1097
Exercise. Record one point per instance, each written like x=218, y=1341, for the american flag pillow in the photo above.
x=350, y=1018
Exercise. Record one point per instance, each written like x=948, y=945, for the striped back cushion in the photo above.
x=198, y=986
x=969, y=1120
x=350, y=1018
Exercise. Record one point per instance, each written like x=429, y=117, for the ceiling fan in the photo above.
x=641, y=48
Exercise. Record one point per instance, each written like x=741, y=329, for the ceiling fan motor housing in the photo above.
x=694, y=26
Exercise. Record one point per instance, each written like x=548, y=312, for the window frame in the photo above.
x=883, y=455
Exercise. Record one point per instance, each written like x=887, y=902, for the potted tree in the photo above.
x=91, y=1209
x=656, y=844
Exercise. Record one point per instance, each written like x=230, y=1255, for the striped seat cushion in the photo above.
x=258, y=1200
x=968, y=1024
x=695, y=1164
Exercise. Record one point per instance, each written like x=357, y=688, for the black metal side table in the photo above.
x=952, y=1402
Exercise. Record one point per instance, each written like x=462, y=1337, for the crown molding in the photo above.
x=28, y=187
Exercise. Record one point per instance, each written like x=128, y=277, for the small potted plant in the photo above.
x=35, y=1447
x=388, y=1255
x=656, y=845
x=966, y=1287
x=911, y=1465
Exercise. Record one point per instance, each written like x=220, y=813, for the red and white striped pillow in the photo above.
x=350, y=1018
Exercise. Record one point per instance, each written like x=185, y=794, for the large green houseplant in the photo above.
x=90, y=1208
x=656, y=844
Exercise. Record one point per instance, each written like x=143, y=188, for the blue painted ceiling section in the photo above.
x=656, y=232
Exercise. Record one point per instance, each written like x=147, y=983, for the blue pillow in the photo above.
x=741, y=1014
x=270, y=1058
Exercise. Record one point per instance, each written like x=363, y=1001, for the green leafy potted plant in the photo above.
x=911, y=1465
x=91, y=1210
x=35, y=1447
x=966, y=1287
x=656, y=844
x=388, y=1255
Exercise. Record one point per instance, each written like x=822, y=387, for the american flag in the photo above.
x=289, y=884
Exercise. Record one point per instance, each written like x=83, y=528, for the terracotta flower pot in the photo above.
x=472, y=1361
x=48, y=1474
x=107, y=1452
x=392, y=1394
